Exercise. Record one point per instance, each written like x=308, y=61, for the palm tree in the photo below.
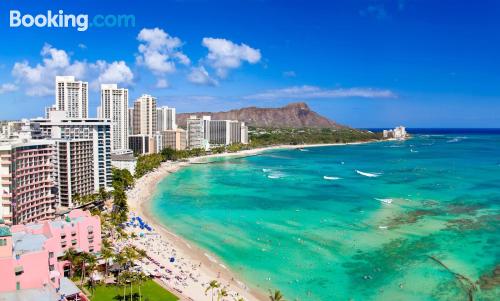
x=121, y=260
x=222, y=293
x=140, y=278
x=211, y=286
x=276, y=296
x=70, y=255
x=91, y=268
x=86, y=259
x=107, y=254
x=122, y=281
x=131, y=255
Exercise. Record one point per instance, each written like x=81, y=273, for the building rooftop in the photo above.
x=27, y=242
x=68, y=288
x=41, y=294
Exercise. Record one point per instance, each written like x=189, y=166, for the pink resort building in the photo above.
x=27, y=184
x=31, y=265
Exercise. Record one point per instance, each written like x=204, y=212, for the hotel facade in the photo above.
x=72, y=96
x=97, y=130
x=28, y=186
x=114, y=106
x=31, y=255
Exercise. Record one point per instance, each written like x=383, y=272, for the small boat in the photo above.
x=331, y=178
x=386, y=201
x=367, y=174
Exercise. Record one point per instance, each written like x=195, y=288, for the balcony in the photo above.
x=6, y=162
x=6, y=182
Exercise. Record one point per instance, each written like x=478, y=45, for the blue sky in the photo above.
x=370, y=63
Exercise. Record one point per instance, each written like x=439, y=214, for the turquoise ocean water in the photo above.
x=308, y=223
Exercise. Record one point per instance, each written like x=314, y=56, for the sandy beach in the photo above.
x=194, y=267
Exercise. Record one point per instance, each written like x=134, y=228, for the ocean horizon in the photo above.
x=394, y=220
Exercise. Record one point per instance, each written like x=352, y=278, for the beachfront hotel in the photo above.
x=97, y=130
x=174, y=139
x=141, y=144
x=145, y=116
x=166, y=119
x=198, y=132
x=114, y=106
x=227, y=132
x=31, y=261
x=27, y=183
x=74, y=170
x=72, y=96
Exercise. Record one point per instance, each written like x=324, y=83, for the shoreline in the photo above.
x=209, y=266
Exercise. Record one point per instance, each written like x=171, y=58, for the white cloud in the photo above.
x=82, y=46
x=116, y=73
x=290, y=73
x=159, y=51
x=313, y=92
x=38, y=80
x=224, y=55
x=7, y=87
x=200, y=76
x=162, y=83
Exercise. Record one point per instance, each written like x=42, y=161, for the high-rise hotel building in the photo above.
x=114, y=106
x=72, y=96
x=96, y=130
x=145, y=116
x=227, y=132
x=28, y=187
x=166, y=119
x=74, y=170
x=198, y=132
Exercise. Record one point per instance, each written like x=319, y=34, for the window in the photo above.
x=51, y=254
x=51, y=267
x=18, y=285
x=3, y=242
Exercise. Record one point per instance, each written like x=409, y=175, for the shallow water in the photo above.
x=276, y=220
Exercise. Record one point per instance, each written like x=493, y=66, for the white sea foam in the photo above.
x=331, y=178
x=456, y=139
x=266, y=169
x=210, y=258
x=382, y=227
x=385, y=201
x=413, y=151
x=368, y=174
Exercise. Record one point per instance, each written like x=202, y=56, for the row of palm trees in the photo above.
x=86, y=264
x=222, y=292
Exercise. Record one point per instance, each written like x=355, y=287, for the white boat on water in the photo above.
x=367, y=174
x=331, y=178
x=386, y=201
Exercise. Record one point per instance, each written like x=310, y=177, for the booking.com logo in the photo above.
x=62, y=20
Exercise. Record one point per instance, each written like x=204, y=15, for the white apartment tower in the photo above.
x=130, y=121
x=166, y=119
x=198, y=132
x=114, y=106
x=72, y=97
x=98, y=131
x=145, y=116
